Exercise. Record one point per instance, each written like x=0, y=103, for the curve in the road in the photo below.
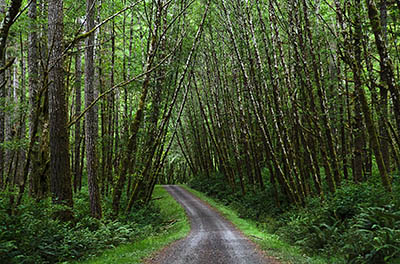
x=212, y=239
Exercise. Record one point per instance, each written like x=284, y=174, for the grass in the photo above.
x=269, y=243
x=177, y=228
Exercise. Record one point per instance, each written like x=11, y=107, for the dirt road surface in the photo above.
x=212, y=239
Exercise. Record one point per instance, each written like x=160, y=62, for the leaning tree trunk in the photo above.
x=6, y=24
x=372, y=131
x=126, y=164
x=386, y=65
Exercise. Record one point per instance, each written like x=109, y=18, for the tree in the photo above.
x=78, y=137
x=60, y=174
x=91, y=118
x=6, y=24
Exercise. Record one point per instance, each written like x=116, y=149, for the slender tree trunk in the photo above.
x=91, y=129
x=372, y=131
x=359, y=142
x=2, y=105
x=78, y=103
x=5, y=26
x=9, y=154
x=326, y=127
x=22, y=114
x=386, y=64
x=383, y=103
x=134, y=129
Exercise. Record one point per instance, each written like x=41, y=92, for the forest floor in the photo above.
x=212, y=239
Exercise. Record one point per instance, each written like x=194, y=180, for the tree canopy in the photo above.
x=293, y=98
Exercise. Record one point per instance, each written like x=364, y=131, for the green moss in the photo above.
x=374, y=18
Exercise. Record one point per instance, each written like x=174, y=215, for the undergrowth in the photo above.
x=360, y=223
x=33, y=235
x=176, y=226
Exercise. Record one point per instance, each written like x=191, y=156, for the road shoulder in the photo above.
x=269, y=244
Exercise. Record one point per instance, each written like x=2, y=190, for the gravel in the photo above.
x=212, y=239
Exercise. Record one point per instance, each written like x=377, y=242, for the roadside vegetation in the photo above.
x=358, y=224
x=32, y=235
x=270, y=243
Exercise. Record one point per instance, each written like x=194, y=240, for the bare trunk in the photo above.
x=78, y=103
x=60, y=174
x=386, y=64
x=5, y=26
x=91, y=129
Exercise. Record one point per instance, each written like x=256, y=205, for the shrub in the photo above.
x=33, y=235
x=355, y=221
x=374, y=236
x=347, y=200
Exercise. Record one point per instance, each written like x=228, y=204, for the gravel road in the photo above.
x=212, y=240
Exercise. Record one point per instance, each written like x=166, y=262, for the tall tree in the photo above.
x=38, y=112
x=60, y=174
x=78, y=102
x=91, y=119
x=386, y=64
x=5, y=26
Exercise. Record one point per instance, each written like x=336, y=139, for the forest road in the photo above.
x=212, y=239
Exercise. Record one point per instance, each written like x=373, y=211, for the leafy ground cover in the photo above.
x=360, y=223
x=175, y=226
x=33, y=235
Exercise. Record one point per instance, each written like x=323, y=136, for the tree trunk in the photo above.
x=359, y=142
x=383, y=103
x=385, y=69
x=5, y=26
x=60, y=174
x=386, y=65
x=91, y=122
x=78, y=103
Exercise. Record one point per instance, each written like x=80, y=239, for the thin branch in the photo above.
x=22, y=11
x=86, y=34
x=119, y=85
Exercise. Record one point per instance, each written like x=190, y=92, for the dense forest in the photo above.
x=287, y=110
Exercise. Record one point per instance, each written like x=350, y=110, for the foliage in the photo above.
x=359, y=221
x=214, y=187
x=270, y=243
x=176, y=226
x=374, y=236
x=33, y=235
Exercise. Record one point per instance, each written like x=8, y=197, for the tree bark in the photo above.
x=60, y=174
x=386, y=72
x=5, y=26
x=78, y=104
x=37, y=183
x=91, y=119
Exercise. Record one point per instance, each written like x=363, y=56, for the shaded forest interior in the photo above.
x=288, y=110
